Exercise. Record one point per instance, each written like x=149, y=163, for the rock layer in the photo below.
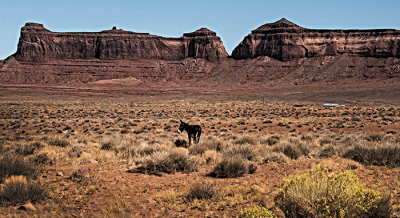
x=285, y=41
x=37, y=44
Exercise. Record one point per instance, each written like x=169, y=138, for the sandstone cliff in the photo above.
x=285, y=41
x=199, y=58
x=37, y=44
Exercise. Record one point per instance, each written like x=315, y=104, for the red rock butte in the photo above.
x=285, y=41
x=39, y=44
x=275, y=54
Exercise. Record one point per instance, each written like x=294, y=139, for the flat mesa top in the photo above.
x=284, y=25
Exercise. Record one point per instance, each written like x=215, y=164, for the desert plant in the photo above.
x=245, y=151
x=19, y=189
x=145, y=149
x=382, y=208
x=75, y=152
x=271, y=140
x=246, y=140
x=42, y=159
x=387, y=154
x=323, y=194
x=202, y=190
x=256, y=212
x=306, y=137
x=89, y=183
x=180, y=143
x=59, y=142
x=108, y=145
x=375, y=137
x=117, y=206
x=211, y=156
x=197, y=149
x=277, y=157
x=28, y=149
x=327, y=151
x=291, y=150
x=169, y=162
x=15, y=165
x=232, y=167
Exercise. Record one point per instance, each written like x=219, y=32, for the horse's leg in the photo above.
x=189, y=140
x=198, y=137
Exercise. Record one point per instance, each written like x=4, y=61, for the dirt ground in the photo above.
x=86, y=180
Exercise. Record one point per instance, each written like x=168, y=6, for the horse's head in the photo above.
x=182, y=127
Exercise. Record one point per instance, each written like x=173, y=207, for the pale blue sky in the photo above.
x=232, y=20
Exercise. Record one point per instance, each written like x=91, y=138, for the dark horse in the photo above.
x=194, y=131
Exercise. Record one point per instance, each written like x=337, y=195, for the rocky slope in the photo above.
x=36, y=43
x=278, y=54
x=285, y=41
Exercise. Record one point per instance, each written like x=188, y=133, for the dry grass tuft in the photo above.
x=19, y=190
x=15, y=165
x=277, y=157
x=28, y=149
x=169, y=162
x=59, y=142
x=246, y=140
x=202, y=190
x=232, y=167
x=245, y=151
x=387, y=154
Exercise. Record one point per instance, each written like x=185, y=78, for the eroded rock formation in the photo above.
x=199, y=58
x=39, y=44
x=285, y=41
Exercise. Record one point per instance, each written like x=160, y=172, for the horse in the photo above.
x=193, y=131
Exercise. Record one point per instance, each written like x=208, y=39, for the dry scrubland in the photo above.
x=119, y=157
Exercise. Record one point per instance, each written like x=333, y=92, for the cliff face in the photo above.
x=37, y=44
x=285, y=41
x=45, y=57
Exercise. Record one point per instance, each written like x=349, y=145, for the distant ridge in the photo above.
x=278, y=54
x=285, y=40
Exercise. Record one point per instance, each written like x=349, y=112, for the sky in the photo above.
x=231, y=20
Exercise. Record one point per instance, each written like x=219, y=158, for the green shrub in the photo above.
x=256, y=212
x=15, y=165
x=232, y=167
x=321, y=194
x=202, y=190
x=19, y=190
